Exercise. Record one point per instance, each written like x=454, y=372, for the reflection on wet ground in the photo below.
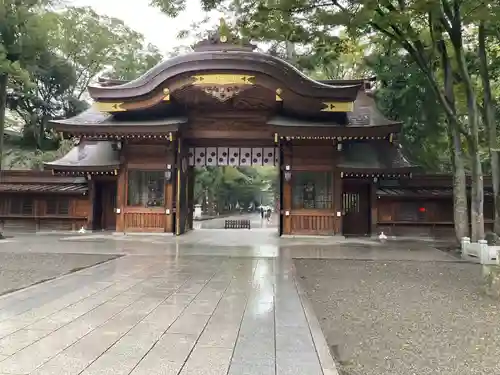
x=211, y=302
x=256, y=221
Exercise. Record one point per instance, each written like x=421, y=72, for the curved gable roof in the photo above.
x=230, y=60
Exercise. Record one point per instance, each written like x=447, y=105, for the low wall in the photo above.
x=480, y=252
x=402, y=230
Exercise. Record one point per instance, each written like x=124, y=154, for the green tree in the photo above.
x=135, y=62
x=72, y=57
x=220, y=189
x=487, y=30
x=22, y=38
x=404, y=96
x=47, y=96
x=94, y=44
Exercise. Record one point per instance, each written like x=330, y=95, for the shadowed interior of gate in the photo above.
x=233, y=187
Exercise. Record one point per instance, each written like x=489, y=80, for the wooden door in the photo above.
x=108, y=206
x=356, y=209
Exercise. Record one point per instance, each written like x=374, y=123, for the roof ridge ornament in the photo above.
x=223, y=39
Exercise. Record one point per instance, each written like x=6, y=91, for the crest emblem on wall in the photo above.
x=223, y=86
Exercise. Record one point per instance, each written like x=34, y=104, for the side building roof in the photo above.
x=90, y=156
x=41, y=182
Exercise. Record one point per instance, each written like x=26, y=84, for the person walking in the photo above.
x=268, y=215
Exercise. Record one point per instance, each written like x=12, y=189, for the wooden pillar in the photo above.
x=187, y=186
x=181, y=213
x=178, y=187
x=373, y=208
x=191, y=182
x=121, y=197
x=170, y=192
x=90, y=218
x=37, y=202
x=337, y=201
x=287, y=156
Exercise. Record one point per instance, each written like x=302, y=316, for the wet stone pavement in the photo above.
x=19, y=269
x=210, y=302
x=158, y=311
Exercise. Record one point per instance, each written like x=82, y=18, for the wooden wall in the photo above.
x=146, y=157
x=47, y=212
x=314, y=157
x=405, y=216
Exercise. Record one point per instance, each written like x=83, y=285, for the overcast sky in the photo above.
x=158, y=29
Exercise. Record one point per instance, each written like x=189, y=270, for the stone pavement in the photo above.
x=256, y=222
x=170, y=306
x=20, y=269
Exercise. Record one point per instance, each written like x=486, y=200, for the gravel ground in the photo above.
x=404, y=317
x=19, y=270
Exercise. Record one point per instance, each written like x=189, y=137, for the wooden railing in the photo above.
x=42, y=222
x=237, y=224
x=313, y=223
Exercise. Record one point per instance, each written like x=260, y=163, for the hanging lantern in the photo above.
x=288, y=173
x=168, y=173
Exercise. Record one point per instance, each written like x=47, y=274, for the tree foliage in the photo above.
x=62, y=52
x=220, y=189
x=22, y=38
x=94, y=44
x=405, y=96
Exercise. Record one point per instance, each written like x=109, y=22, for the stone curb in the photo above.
x=325, y=357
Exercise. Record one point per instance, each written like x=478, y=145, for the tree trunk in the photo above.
x=211, y=204
x=477, y=193
x=489, y=122
x=460, y=205
x=3, y=99
x=290, y=52
x=204, y=202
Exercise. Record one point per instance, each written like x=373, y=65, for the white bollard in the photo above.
x=484, y=252
x=463, y=245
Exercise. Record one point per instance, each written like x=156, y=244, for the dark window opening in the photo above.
x=146, y=188
x=21, y=206
x=312, y=190
x=57, y=206
x=411, y=211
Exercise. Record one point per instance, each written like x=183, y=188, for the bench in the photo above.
x=237, y=224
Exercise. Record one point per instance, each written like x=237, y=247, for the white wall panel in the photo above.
x=246, y=156
x=234, y=156
x=211, y=156
x=191, y=156
x=257, y=156
x=222, y=155
x=200, y=154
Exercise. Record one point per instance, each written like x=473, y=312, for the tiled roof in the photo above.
x=372, y=155
x=366, y=113
x=415, y=192
x=44, y=188
x=88, y=155
x=93, y=117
